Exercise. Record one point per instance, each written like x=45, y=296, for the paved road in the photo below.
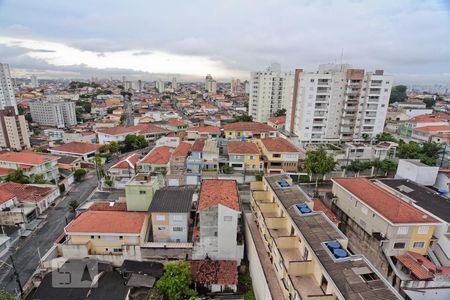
x=26, y=257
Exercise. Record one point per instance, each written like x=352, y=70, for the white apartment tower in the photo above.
x=234, y=86
x=58, y=114
x=338, y=103
x=13, y=130
x=34, y=81
x=210, y=84
x=7, y=97
x=174, y=84
x=160, y=86
x=270, y=90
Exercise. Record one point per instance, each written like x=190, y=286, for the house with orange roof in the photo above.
x=105, y=232
x=83, y=150
x=426, y=133
x=177, y=172
x=31, y=163
x=219, y=227
x=202, y=132
x=244, y=156
x=244, y=130
x=406, y=129
x=279, y=155
x=277, y=122
x=382, y=214
x=124, y=170
x=176, y=125
x=118, y=133
x=158, y=159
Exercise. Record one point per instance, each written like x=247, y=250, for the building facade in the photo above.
x=58, y=114
x=7, y=97
x=13, y=130
x=338, y=103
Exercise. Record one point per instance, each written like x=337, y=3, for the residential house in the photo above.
x=139, y=192
x=279, y=155
x=83, y=136
x=86, y=151
x=156, y=160
x=105, y=233
x=118, y=134
x=124, y=170
x=426, y=133
x=296, y=252
x=244, y=130
x=176, y=125
x=194, y=163
x=215, y=275
x=277, y=122
x=244, y=156
x=406, y=129
x=218, y=209
x=202, y=132
x=210, y=156
x=31, y=163
x=177, y=173
x=170, y=214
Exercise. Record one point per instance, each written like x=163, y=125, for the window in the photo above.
x=418, y=245
x=276, y=155
x=402, y=230
x=423, y=230
x=177, y=229
x=251, y=157
x=178, y=218
x=161, y=228
x=98, y=236
x=312, y=80
x=92, y=237
x=160, y=217
x=399, y=245
x=121, y=237
x=227, y=218
x=142, y=192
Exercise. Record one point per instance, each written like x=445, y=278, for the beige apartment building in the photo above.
x=13, y=130
x=302, y=254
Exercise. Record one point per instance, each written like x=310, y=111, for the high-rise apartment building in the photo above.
x=270, y=91
x=234, y=86
x=58, y=114
x=160, y=86
x=7, y=97
x=34, y=81
x=13, y=130
x=210, y=84
x=338, y=103
x=174, y=83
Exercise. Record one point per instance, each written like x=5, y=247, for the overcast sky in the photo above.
x=148, y=39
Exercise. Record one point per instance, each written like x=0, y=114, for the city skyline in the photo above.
x=226, y=39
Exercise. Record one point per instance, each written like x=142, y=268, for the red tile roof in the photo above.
x=93, y=221
x=77, y=147
x=5, y=171
x=102, y=205
x=214, y=192
x=204, y=129
x=182, y=150
x=25, y=192
x=140, y=128
x=26, y=157
x=208, y=271
x=428, y=119
x=386, y=204
x=320, y=206
x=278, y=145
x=255, y=127
x=243, y=147
x=128, y=162
x=278, y=120
x=158, y=156
x=175, y=122
x=5, y=195
x=198, y=145
x=433, y=128
x=415, y=267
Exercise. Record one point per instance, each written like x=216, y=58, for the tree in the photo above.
x=398, y=94
x=280, y=112
x=388, y=166
x=385, y=137
x=432, y=149
x=39, y=179
x=357, y=166
x=17, y=176
x=73, y=206
x=5, y=295
x=134, y=142
x=40, y=149
x=98, y=161
x=429, y=102
x=411, y=150
x=79, y=174
x=175, y=281
x=319, y=163
x=244, y=118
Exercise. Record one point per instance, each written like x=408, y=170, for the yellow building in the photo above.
x=244, y=130
x=279, y=155
x=245, y=156
x=300, y=252
x=105, y=232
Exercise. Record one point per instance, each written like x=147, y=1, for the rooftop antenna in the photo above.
x=342, y=56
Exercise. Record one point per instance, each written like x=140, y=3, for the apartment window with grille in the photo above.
x=402, y=230
x=178, y=229
x=399, y=245
x=161, y=228
x=423, y=230
x=418, y=245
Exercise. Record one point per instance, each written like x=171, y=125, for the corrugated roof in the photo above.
x=172, y=200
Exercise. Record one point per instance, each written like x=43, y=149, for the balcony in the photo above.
x=322, y=90
x=319, y=114
x=257, y=186
x=261, y=196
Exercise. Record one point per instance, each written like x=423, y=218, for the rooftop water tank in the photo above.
x=340, y=253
